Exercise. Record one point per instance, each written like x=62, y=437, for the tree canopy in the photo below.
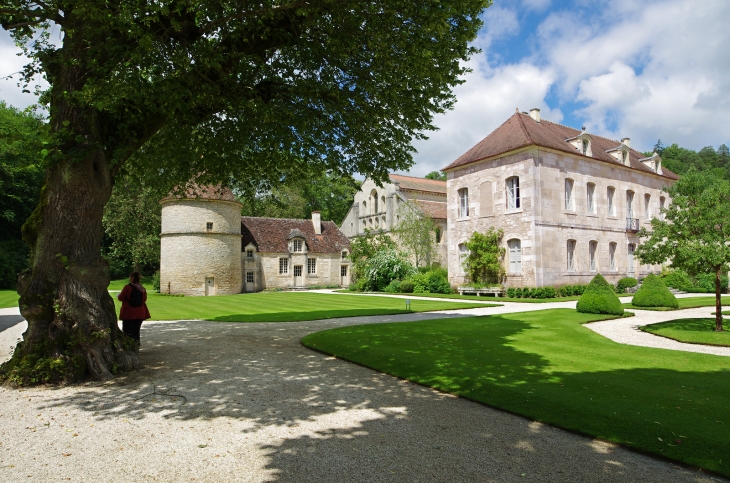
x=437, y=175
x=215, y=91
x=693, y=231
x=417, y=233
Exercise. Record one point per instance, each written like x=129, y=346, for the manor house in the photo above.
x=208, y=248
x=570, y=203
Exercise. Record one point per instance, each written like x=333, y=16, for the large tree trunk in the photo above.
x=718, y=302
x=72, y=323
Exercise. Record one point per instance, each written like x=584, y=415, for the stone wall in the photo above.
x=542, y=223
x=327, y=270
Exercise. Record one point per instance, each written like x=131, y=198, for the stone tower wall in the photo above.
x=192, y=254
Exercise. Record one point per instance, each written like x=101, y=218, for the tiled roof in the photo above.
x=271, y=234
x=520, y=130
x=205, y=193
x=419, y=184
x=432, y=209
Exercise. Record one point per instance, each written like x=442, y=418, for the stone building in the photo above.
x=570, y=203
x=207, y=248
x=377, y=208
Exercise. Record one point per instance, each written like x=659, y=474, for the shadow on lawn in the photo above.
x=321, y=419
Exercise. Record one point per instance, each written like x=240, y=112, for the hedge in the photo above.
x=599, y=298
x=654, y=293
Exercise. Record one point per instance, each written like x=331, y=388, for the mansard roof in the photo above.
x=520, y=131
x=272, y=234
x=411, y=183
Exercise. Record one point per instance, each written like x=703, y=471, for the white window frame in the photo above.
x=249, y=276
x=463, y=253
x=515, y=256
x=249, y=254
x=311, y=266
x=343, y=270
x=297, y=245
x=647, y=206
x=283, y=266
x=513, y=192
x=592, y=263
x=629, y=204
x=611, y=197
x=612, y=257
x=569, y=200
x=591, y=197
x=298, y=268
x=570, y=253
x=463, y=202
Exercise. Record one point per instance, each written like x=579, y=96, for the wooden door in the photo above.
x=298, y=276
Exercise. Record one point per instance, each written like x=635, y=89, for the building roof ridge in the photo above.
x=524, y=128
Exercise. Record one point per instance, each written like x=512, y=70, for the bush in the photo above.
x=406, y=286
x=156, y=281
x=654, y=293
x=385, y=266
x=353, y=287
x=677, y=279
x=624, y=283
x=549, y=293
x=598, y=298
x=393, y=287
x=511, y=292
x=431, y=282
x=706, y=282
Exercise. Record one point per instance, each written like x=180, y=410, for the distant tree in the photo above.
x=437, y=175
x=416, y=233
x=484, y=260
x=658, y=147
x=694, y=232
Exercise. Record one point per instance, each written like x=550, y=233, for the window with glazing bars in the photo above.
x=283, y=266
x=312, y=265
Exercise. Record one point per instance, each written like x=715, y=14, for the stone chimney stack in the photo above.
x=317, y=222
x=535, y=114
x=626, y=142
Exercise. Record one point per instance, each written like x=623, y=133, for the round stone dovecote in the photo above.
x=201, y=243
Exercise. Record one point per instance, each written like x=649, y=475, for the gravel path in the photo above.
x=247, y=402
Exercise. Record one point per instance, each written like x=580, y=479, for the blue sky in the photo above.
x=645, y=70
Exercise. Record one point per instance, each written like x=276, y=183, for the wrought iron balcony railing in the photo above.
x=632, y=224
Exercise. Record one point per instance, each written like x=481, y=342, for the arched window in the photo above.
x=662, y=201
x=647, y=206
x=463, y=253
x=438, y=235
x=463, y=202
x=571, y=255
x=382, y=203
x=569, y=204
x=592, y=246
x=515, y=256
x=374, y=201
x=591, y=197
x=513, y=193
x=612, y=257
x=629, y=204
x=611, y=205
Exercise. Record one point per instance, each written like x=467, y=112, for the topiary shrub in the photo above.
x=598, y=298
x=549, y=293
x=511, y=292
x=654, y=293
x=626, y=282
x=406, y=286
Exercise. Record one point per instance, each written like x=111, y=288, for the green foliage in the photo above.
x=417, y=234
x=436, y=175
x=653, y=293
x=483, y=262
x=706, y=283
x=393, y=286
x=156, y=281
x=385, y=266
x=678, y=279
x=432, y=281
x=702, y=283
x=599, y=298
x=570, y=290
x=694, y=232
x=626, y=282
x=364, y=247
x=406, y=286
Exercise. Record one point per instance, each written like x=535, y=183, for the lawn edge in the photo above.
x=641, y=328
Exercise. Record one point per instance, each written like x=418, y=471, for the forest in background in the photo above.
x=132, y=216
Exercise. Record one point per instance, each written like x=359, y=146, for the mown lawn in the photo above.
x=685, y=303
x=545, y=366
x=8, y=298
x=283, y=306
x=118, y=285
x=693, y=331
x=474, y=297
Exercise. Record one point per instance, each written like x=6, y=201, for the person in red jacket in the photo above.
x=134, y=308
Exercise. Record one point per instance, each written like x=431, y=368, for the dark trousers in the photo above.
x=131, y=328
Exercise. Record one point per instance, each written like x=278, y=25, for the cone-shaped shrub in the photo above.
x=654, y=293
x=599, y=298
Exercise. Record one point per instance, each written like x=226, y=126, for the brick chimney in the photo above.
x=535, y=114
x=317, y=222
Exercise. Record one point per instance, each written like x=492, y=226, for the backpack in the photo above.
x=135, y=298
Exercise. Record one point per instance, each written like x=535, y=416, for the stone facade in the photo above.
x=376, y=207
x=552, y=202
x=200, y=246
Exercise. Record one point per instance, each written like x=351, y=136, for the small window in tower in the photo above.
x=249, y=254
x=209, y=226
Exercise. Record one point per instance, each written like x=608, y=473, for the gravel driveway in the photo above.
x=246, y=402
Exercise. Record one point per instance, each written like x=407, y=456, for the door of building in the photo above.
x=298, y=276
x=631, y=259
x=343, y=276
x=209, y=286
x=250, y=281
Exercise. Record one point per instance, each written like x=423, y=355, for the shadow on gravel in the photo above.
x=8, y=321
x=322, y=419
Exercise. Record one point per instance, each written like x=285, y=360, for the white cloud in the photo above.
x=10, y=64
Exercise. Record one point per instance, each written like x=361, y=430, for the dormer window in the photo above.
x=582, y=143
x=297, y=245
x=654, y=163
x=621, y=154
